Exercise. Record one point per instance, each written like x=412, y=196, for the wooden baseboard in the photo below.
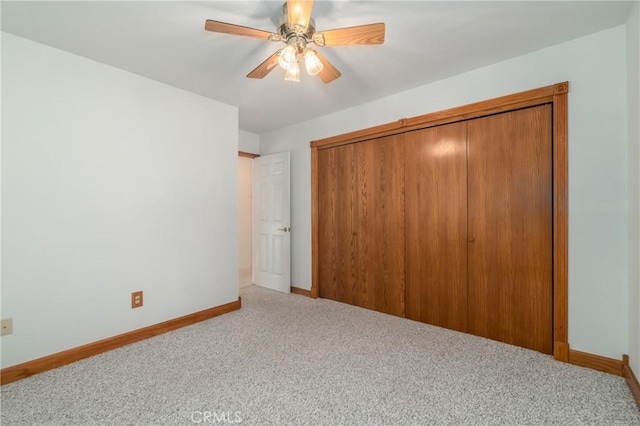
x=300, y=291
x=595, y=362
x=631, y=378
x=49, y=362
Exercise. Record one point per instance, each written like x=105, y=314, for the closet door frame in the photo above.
x=557, y=96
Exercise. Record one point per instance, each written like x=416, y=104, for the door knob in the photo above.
x=285, y=229
x=471, y=239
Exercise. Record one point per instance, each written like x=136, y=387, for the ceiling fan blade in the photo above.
x=223, y=27
x=363, y=34
x=299, y=13
x=329, y=72
x=266, y=67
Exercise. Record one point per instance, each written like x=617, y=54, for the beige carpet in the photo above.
x=287, y=359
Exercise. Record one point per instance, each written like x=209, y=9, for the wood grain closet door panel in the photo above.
x=510, y=227
x=337, y=188
x=380, y=225
x=436, y=225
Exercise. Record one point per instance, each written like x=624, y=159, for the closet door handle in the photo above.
x=471, y=239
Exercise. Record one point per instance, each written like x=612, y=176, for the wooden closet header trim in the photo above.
x=502, y=104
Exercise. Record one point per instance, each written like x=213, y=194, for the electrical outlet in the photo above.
x=136, y=299
x=6, y=327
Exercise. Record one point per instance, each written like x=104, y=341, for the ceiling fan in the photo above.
x=297, y=30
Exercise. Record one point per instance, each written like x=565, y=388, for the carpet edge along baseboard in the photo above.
x=49, y=362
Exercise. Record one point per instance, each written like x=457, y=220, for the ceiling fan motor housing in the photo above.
x=288, y=32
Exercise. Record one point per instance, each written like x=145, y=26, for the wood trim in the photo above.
x=301, y=291
x=596, y=362
x=561, y=351
x=478, y=109
x=247, y=154
x=560, y=223
x=315, y=250
x=49, y=362
x=557, y=95
x=631, y=378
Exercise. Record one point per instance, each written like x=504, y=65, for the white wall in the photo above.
x=633, y=170
x=245, y=215
x=595, y=67
x=111, y=183
x=248, y=142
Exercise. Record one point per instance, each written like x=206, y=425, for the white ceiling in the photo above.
x=425, y=41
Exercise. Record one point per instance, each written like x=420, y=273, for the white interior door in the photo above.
x=271, y=222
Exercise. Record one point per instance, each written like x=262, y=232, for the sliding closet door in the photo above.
x=337, y=187
x=436, y=225
x=510, y=227
x=380, y=167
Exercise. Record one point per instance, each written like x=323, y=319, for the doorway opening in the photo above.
x=245, y=218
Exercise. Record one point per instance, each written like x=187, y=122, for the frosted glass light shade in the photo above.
x=312, y=62
x=287, y=57
x=293, y=72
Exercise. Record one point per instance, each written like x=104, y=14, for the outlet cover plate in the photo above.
x=6, y=327
x=136, y=299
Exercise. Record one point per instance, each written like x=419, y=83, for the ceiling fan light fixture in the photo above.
x=312, y=62
x=297, y=29
x=293, y=72
x=287, y=57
